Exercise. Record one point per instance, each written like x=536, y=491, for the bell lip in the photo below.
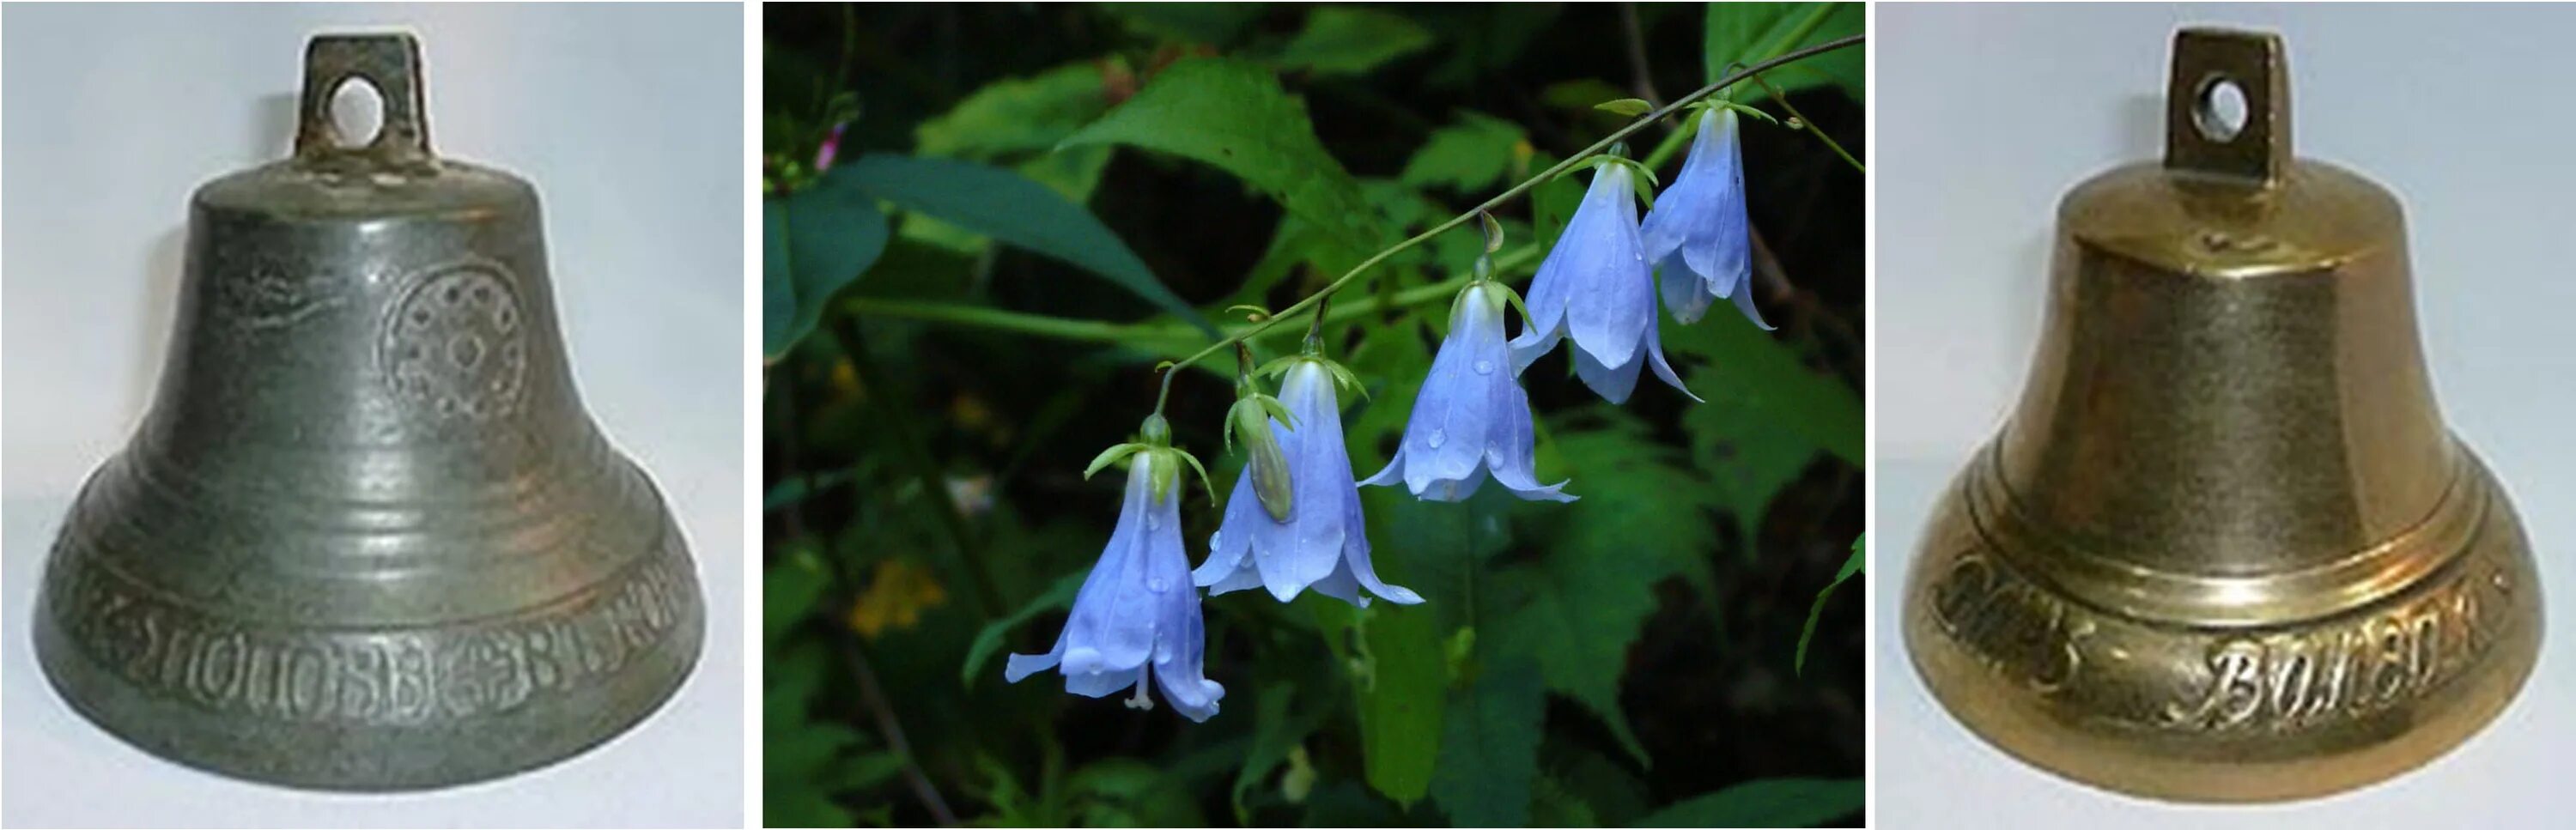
x=290, y=190
x=2002, y=712
x=124, y=709
x=2316, y=217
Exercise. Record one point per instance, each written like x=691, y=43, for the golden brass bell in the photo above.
x=2225, y=549
x=367, y=537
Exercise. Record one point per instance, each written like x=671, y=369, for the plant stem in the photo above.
x=1165, y=337
x=872, y=695
x=1613, y=138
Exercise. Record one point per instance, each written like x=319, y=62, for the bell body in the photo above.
x=2225, y=549
x=367, y=537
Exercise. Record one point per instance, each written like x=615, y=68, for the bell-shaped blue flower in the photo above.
x=1595, y=286
x=1697, y=234
x=1137, y=616
x=1471, y=419
x=1323, y=544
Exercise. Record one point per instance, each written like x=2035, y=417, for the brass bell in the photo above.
x=367, y=537
x=2225, y=549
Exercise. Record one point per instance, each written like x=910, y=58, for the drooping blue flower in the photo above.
x=1697, y=234
x=1471, y=418
x=1136, y=617
x=1323, y=544
x=1595, y=285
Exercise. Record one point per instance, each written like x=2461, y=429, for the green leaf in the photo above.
x=989, y=640
x=1643, y=519
x=1014, y=210
x=790, y=590
x=1769, y=802
x=1234, y=115
x=1342, y=40
x=1850, y=566
x=814, y=241
x=1753, y=32
x=1018, y=115
x=1748, y=452
x=1630, y=107
x=1766, y=376
x=1489, y=755
x=1470, y=155
x=1215, y=24
x=1397, y=674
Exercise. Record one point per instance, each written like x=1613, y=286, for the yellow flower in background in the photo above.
x=897, y=594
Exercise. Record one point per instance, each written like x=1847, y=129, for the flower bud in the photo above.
x=1269, y=466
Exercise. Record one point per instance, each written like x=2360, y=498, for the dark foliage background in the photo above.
x=946, y=355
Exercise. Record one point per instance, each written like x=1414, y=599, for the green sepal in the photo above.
x=1111, y=456
x=1590, y=162
x=1163, y=485
x=1706, y=104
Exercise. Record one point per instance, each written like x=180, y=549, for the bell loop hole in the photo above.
x=357, y=113
x=2219, y=109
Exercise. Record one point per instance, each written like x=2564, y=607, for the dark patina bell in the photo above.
x=367, y=538
x=2226, y=549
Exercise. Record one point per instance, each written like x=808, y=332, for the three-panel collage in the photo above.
x=1334, y=414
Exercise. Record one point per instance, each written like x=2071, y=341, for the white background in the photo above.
x=1987, y=114
x=629, y=121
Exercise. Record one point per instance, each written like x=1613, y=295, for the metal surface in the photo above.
x=2225, y=549
x=367, y=537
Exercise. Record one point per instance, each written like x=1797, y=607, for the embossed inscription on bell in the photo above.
x=367, y=537
x=2225, y=548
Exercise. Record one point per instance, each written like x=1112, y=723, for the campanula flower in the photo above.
x=1471, y=418
x=1595, y=286
x=1697, y=234
x=1323, y=544
x=1136, y=617
x=831, y=148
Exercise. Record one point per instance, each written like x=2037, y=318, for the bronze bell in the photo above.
x=367, y=538
x=2225, y=549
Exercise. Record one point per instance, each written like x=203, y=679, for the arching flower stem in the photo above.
x=1615, y=137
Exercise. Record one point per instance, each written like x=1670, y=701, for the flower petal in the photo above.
x=1613, y=293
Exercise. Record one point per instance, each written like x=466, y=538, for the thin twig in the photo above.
x=1637, y=54
x=873, y=696
x=1810, y=124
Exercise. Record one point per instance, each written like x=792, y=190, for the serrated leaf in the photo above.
x=814, y=241
x=1747, y=451
x=1766, y=376
x=1014, y=210
x=1343, y=40
x=1642, y=519
x=1489, y=754
x=1769, y=802
x=1630, y=107
x=988, y=641
x=1850, y=566
x=1753, y=32
x=1233, y=114
x=1470, y=156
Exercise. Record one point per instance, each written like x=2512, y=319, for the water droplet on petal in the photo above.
x=1157, y=585
x=1438, y=436
x=1484, y=367
x=1153, y=522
